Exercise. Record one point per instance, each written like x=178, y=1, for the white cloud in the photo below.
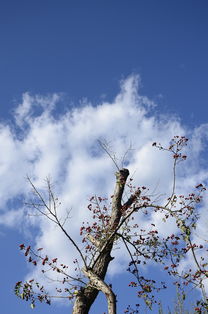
x=66, y=148
x=23, y=113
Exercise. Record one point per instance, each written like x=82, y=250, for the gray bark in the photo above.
x=96, y=275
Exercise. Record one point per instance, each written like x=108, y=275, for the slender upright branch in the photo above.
x=54, y=214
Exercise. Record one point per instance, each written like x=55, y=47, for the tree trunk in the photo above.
x=96, y=275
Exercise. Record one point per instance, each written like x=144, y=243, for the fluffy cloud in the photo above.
x=65, y=147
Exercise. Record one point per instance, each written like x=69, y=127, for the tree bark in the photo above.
x=96, y=275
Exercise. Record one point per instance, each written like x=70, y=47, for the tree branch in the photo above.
x=100, y=285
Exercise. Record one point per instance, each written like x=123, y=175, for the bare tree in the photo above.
x=112, y=223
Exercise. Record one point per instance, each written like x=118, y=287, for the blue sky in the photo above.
x=53, y=46
x=56, y=56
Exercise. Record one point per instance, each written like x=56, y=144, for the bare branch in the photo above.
x=105, y=147
x=53, y=213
